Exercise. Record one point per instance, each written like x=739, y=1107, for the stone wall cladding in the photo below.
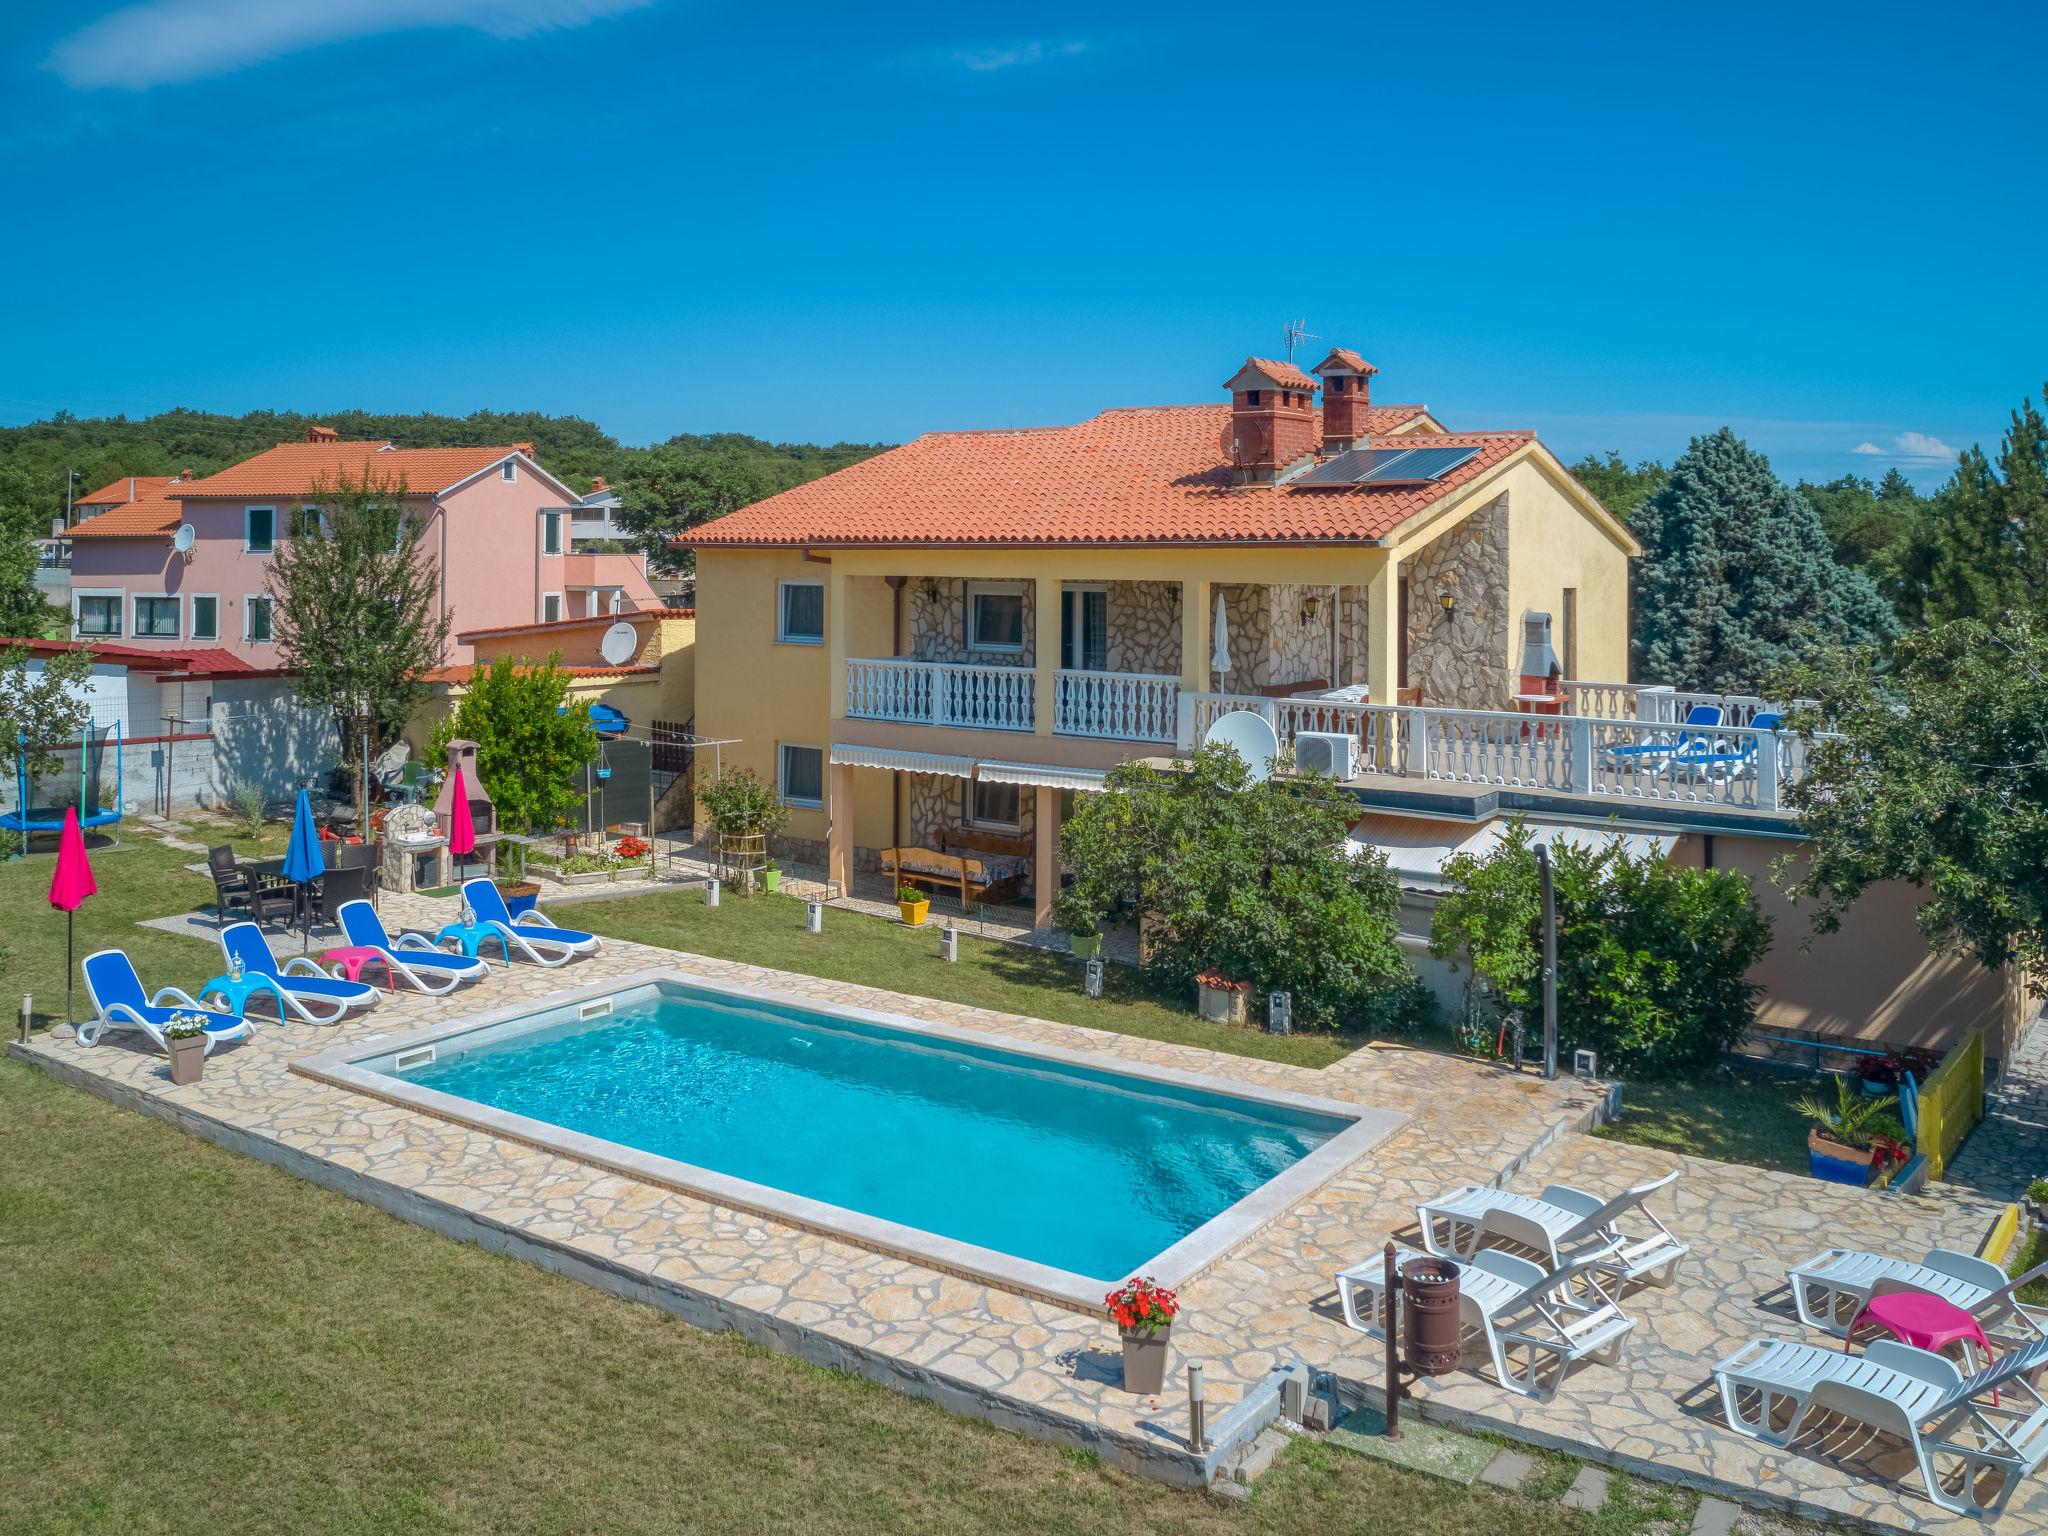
x=1461, y=662
x=938, y=625
x=938, y=803
x=1269, y=645
x=1144, y=627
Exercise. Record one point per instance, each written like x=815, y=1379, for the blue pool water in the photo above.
x=1087, y=1171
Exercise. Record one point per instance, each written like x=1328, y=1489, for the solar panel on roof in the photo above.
x=1386, y=466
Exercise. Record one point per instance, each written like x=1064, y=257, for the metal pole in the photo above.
x=1549, y=887
x=1393, y=1294
x=1198, y=1418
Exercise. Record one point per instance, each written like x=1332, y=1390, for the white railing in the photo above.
x=1659, y=704
x=939, y=693
x=1122, y=706
x=1736, y=767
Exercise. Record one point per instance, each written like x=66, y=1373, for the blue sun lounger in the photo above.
x=423, y=967
x=120, y=1003
x=529, y=928
x=301, y=988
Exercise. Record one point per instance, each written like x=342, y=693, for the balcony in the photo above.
x=981, y=698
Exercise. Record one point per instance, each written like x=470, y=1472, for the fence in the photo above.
x=1950, y=1102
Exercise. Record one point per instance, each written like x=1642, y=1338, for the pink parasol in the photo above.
x=461, y=825
x=69, y=886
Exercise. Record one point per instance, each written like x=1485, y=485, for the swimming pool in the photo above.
x=1052, y=1171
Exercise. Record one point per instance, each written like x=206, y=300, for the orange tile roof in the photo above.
x=1151, y=475
x=152, y=515
x=127, y=488
x=292, y=469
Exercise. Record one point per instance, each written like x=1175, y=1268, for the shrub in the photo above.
x=1653, y=961
x=740, y=803
x=245, y=796
x=1247, y=878
x=531, y=743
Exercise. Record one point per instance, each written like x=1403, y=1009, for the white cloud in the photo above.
x=1910, y=446
x=985, y=60
x=159, y=42
x=1918, y=445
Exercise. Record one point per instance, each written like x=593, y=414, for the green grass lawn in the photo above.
x=768, y=930
x=142, y=878
x=198, y=1342
x=1730, y=1113
x=268, y=841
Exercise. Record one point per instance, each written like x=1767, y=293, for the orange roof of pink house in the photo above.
x=1147, y=475
x=151, y=515
x=293, y=469
x=127, y=488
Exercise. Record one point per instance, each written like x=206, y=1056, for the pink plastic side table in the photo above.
x=1926, y=1322
x=352, y=959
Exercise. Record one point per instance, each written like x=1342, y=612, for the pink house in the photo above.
x=498, y=529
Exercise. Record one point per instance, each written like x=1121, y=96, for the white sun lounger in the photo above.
x=1551, y=1320
x=1830, y=1288
x=1563, y=1223
x=1917, y=1395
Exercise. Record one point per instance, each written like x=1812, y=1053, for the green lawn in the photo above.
x=1729, y=1113
x=197, y=1342
x=768, y=930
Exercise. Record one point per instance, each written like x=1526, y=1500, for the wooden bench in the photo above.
x=956, y=865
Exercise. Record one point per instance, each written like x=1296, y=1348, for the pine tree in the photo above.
x=1737, y=581
x=1982, y=549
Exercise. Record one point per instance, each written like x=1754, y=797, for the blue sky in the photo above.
x=1620, y=225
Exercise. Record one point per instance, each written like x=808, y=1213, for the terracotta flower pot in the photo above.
x=914, y=912
x=1145, y=1359
x=188, y=1055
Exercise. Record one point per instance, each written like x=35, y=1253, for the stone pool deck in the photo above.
x=1052, y=1372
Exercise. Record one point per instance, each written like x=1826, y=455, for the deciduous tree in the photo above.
x=1934, y=771
x=531, y=742
x=355, y=608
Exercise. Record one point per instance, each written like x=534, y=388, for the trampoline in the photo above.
x=39, y=802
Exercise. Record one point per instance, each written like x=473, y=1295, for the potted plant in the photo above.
x=914, y=904
x=744, y=810
x=1854, y=1139
x=1221, y=1000
x=2037, y=1200
x=1083, y=927
x=520, y=893
x=185, y=1036
x=771, y=875
x=1144, y=1311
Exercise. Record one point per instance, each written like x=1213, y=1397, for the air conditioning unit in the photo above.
x=1332, y=754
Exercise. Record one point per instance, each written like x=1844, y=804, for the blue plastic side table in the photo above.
x=472, y=937
x=236, y=991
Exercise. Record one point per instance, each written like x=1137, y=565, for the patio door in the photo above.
x=1084, y=629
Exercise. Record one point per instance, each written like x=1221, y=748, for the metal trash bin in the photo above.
x=1429, y=1305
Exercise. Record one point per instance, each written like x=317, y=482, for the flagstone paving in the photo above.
x=1054, y=1372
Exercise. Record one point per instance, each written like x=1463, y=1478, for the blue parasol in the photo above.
x=303, y=861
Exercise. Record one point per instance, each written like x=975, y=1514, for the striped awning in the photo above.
x=1041, y=773
x=851, y=756
x=1417, y=849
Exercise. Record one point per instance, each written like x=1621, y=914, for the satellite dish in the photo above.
x=1253, y=738
x=619, y=644
x=183, y=540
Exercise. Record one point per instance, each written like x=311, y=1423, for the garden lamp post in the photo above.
x=1549, y=889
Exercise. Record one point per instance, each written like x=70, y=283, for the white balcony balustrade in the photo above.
x=1118, y=706
x=940, y=693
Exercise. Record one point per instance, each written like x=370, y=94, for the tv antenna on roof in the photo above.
x=1296, y=332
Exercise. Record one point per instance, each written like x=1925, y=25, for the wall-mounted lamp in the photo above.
x=928, y=589
x=1310, y=607
x=1449, y=602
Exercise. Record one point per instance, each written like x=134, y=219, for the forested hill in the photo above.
x=668, y=485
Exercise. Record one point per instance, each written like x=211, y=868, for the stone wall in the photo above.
x=1461, y=661
x=938, y=803
x=1270, y=647
x=1144, y=627
x=938, y=624
x=1351, y=658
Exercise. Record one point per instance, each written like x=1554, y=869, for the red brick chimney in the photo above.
x=597, y=484
x=1347, y=395
x=322, y=435
x=1272, y=418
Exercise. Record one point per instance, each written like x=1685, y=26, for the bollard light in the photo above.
x=814, y=919
x=1585, y=1064
x=949, y=944
x=28, y=1007
x=711, y=892
x=1279, y=1013
x=1094, y=981
x=1198, y=1427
